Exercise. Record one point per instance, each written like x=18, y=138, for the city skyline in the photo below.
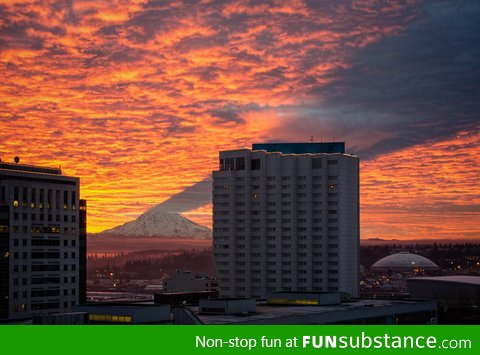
x=137, y=99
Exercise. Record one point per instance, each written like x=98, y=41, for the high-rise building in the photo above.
x=286, y=218
x=42, y=241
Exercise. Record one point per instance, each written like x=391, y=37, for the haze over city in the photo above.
x=138, y=98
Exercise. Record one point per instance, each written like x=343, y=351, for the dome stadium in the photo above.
x=404, y=261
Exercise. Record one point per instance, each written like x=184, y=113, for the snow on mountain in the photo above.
x=159, y=223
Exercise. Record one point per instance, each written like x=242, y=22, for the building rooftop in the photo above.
x=464, y=279
x=301, y=148
x=404, y=260
x=266, y=313
x=30, y=168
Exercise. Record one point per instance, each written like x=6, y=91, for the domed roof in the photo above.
x=404, y=260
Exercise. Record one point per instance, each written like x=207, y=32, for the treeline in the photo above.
x=154, y=265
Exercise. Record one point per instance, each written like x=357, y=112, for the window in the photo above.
x=49, y=199
x=41, y=198
x=229, y=164
x=57, y=202
x=255, y=164
x=316, y=163
x=73, y=196
x=33, y=198
x=65, y=200
x=15, y=196
x=240, y=163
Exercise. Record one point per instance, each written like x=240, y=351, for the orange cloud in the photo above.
x=426, y=191
x=138, y=97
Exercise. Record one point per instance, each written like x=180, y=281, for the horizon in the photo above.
x=137, y=100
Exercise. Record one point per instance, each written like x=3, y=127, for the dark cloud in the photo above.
x=232, y=112
x=146, y=25
x=194, y=196
x=201, y=42
x=226, y=115
x=206, y=73
x=420, y=85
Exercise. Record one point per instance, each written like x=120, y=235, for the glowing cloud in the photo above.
x=138, y=97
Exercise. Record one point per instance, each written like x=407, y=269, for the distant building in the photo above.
x=185, y=281
x=458, y=296
x=42, y=241
x=286, y=218
x=447, y=290
x=404, y=261
x=386, y=278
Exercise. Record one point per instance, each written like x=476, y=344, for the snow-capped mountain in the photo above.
x=159, y=223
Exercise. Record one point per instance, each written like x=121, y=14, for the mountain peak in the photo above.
x=157, y=223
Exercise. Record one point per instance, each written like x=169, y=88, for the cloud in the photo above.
x=416, y=86
x=138, y=97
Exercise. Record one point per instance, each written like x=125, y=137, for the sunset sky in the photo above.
x=137, y=98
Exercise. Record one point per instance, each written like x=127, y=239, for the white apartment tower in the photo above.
x=286, y=218
x=42, y=241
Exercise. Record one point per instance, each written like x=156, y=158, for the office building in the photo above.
x=42, y=241
x=286, y=218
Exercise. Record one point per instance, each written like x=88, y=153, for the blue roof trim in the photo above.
x=301, y=148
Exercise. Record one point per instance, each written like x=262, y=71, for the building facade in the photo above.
x=42, y=241
x=185, y=281
x=286, y=218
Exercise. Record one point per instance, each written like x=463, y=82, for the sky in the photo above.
x=138, y=97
